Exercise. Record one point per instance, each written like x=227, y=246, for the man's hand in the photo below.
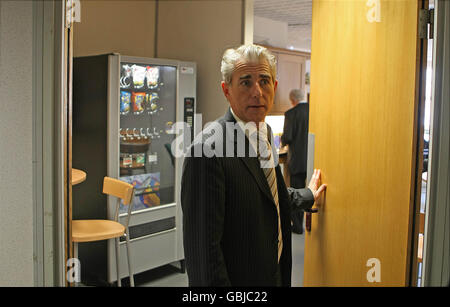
x=314, y=185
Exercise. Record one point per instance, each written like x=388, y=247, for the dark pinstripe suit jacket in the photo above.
x=229, y=216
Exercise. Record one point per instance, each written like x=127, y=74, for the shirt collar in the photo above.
x=249, y=129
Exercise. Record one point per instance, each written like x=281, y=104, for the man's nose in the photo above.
x=257, y=92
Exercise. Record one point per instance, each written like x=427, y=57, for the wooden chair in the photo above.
x=98, y=230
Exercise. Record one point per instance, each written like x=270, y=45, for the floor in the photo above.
x=170, y=276
x=421, y=235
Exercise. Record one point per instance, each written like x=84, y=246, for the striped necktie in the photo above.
x=267, y=166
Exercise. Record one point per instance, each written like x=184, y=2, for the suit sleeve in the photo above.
x=203, y=204
x=288, y=130
x=301, y=198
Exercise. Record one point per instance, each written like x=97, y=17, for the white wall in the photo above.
x=270, y=32
x=201, y=31
x=197, y=31
x=16, y=190
x=126, y=27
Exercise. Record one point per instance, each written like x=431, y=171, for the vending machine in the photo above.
x=124, y=112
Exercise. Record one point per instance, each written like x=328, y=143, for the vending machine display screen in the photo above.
x=147, y=113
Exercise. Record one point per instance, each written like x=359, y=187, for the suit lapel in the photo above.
x=254, y=167
x=252, y=163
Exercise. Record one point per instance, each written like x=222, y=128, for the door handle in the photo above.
x=309, y=213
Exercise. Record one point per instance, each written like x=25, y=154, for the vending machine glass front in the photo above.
x=147, y=113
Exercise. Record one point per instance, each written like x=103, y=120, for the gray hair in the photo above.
x=297, y=94
x=247, y=54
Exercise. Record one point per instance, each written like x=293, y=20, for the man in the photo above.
x=295, y=135
x=237, y=214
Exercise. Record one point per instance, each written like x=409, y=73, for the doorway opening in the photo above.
x=426, y=142
x=284, y=27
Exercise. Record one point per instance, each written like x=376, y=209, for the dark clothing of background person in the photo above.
x=229, y=216
x=295, y=134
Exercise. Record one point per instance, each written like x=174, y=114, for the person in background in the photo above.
x=295, y=135
x=237, y=209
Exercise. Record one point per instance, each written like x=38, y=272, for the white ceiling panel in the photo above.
x=296, y=13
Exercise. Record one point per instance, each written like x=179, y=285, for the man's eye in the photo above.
x=245, y=82
x=264, y=81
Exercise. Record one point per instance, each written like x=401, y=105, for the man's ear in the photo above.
x=225, y=89
x=275, y=85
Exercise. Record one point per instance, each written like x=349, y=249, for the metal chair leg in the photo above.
x=75, y=255
x=119, y=284
x=130, y=267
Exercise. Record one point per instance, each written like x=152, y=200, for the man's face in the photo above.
x=251, y=91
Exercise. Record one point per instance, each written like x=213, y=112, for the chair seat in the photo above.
x=95, y=230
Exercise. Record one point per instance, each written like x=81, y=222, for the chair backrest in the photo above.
x=118, y=189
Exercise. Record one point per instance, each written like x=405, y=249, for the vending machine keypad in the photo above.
x=189, y=107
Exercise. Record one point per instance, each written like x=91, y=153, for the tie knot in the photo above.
x=264, y=150
x=261, y=143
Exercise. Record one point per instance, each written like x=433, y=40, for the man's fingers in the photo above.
x=322, y=188
x=316, y=174
x=314, y=184
x=319, y=191
x=316, y=177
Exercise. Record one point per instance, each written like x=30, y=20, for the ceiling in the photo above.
x=296, y=13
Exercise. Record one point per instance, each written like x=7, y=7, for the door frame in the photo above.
x=437, y=228
x=49, y=138
x=437, y=231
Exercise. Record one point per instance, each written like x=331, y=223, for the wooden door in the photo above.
x=363, y=112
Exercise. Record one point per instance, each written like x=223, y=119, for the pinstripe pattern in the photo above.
x=230, y=219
